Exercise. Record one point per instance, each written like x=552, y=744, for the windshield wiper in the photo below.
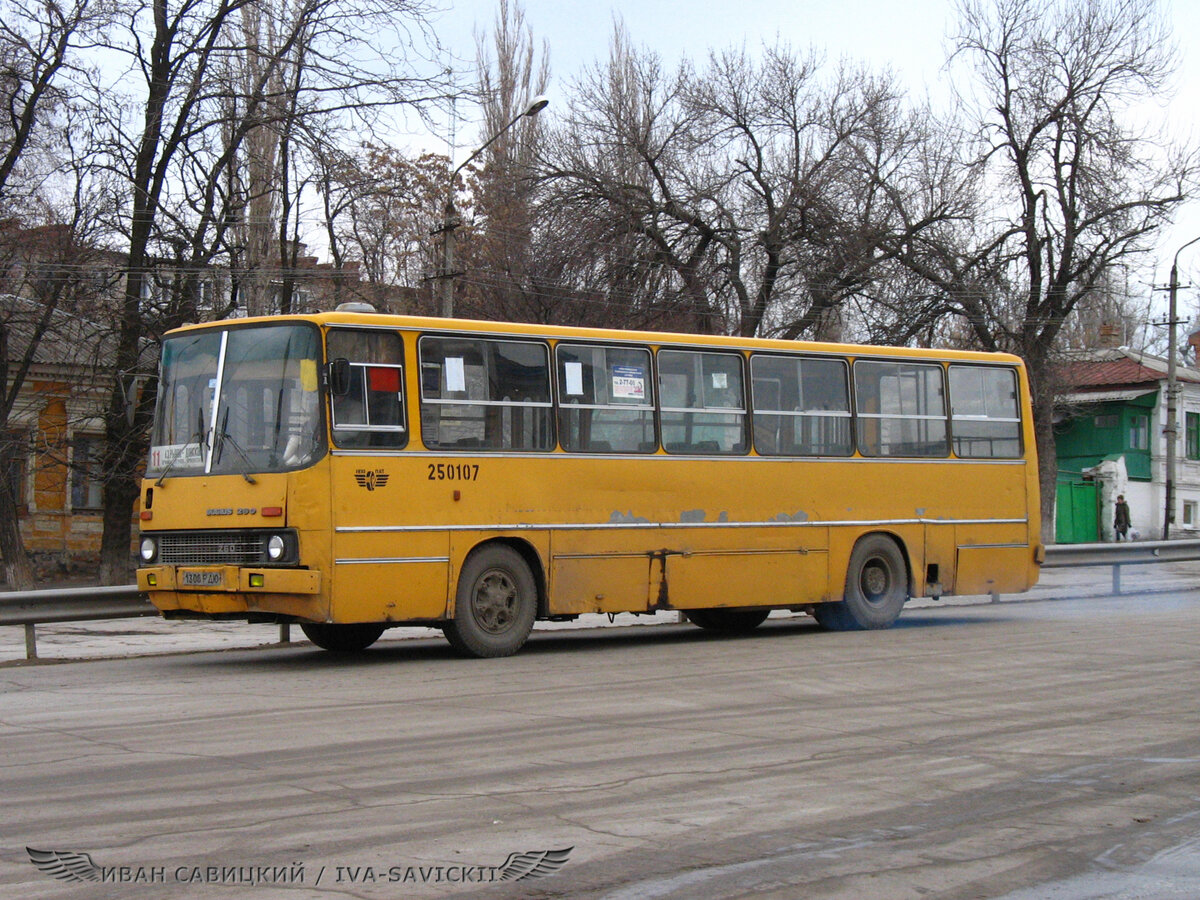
x=197, y=439
x=274, y=462
x=221, y=437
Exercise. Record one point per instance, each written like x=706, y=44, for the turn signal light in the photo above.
x=257, y=579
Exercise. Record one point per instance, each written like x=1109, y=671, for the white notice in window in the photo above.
x=456, y=379
x=574, y=372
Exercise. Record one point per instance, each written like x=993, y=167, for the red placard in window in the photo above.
x=381, y=379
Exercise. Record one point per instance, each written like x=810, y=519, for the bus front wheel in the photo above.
x=876, y=588
x=727, y=621
x=342, y=638
x=495, y=605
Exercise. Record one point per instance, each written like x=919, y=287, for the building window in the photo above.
x=1110, y=421
x=206, y=295
x=1139, y=432
x=13, y=462
x=87, y=482
x=1193, y=435
x=1189, y=513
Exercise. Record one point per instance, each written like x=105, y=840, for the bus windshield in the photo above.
x=238, y=401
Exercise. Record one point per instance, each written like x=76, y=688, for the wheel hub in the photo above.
x=875, y=581
x=495, y=601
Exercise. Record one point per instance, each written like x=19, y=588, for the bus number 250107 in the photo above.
x=453, y=471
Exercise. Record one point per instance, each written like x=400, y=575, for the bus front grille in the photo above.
x=208, y=548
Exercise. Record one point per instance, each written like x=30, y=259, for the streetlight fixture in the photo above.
x=450, y=215
x=1172, y=395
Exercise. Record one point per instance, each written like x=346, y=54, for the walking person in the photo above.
x=1121, y=521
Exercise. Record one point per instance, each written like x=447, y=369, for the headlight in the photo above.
x=276, y=547
x=148, y=549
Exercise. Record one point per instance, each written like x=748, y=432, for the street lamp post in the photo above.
x=450, y=215
x=1172, y=426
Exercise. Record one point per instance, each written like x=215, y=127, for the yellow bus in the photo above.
x=351, y=472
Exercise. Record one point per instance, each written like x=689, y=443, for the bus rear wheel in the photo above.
x=876, y=588
x=727, y=621
x=495, y=604
x=342, y=638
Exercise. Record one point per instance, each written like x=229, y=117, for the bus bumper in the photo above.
x=222, y=590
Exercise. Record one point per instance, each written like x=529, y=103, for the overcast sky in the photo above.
x=909, y=36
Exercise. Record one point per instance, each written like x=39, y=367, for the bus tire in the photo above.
x=495, y=604
x=342, y=638
x=727, y=621
x=876, y=588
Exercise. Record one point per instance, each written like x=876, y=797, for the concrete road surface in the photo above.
x=1029, y=750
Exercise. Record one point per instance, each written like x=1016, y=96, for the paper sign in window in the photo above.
x=574, y=373
x=628, y=383
x=308, y=375
x=456, y=377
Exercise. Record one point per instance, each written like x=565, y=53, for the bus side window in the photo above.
x=371, y=412
x=984, y=417
x=485, y=394
x=801, y=406
x=605, y=403
x=703, y=402
x=901, y=409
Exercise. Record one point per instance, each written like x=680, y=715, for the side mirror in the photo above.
x=339, y=377
x=132, y=386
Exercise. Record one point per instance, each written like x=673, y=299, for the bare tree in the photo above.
x=51, y=281
x=772, y=189
x=380, y=208
x=502, y=263
x=38, y=42
x=621, y=159
x=47, y=245
x=189, y=140
x=1078, y=191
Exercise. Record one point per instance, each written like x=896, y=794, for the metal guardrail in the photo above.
x=78, y=604
x=1131, y=553
x=1128, y=553
x=90, y=604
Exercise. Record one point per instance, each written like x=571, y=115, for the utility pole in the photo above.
x=1172, y=427
x=450, y=219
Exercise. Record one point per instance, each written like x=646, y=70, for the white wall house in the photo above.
x=1111, y=433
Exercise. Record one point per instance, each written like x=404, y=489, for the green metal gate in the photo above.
x=1077, y=512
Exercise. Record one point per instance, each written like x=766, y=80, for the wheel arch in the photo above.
x=527, y=552
x=901, y=545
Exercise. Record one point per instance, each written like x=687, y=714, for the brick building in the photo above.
x=51, y=439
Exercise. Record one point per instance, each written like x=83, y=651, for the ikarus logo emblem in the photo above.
x=371, y=478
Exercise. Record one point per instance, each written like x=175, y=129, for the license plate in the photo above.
x=202, y=579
